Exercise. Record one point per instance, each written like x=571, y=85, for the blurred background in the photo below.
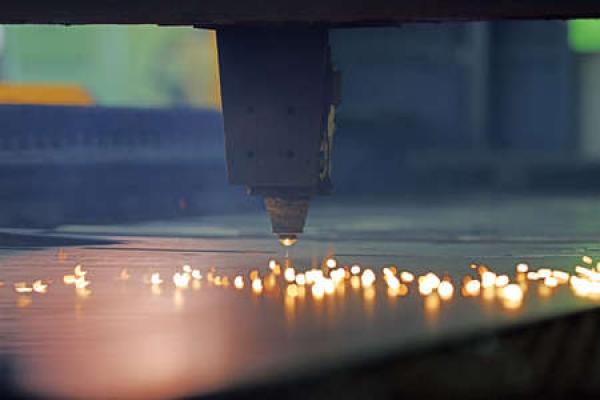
x=112, y=124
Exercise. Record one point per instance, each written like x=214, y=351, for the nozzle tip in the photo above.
x=288, y=240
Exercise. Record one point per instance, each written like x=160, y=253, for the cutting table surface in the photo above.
x=124, y=337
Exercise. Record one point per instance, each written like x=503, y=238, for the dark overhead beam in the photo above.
x=214, y=13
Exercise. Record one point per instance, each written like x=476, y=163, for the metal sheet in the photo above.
x=126, y=339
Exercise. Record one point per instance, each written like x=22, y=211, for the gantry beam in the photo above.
x=213, y=13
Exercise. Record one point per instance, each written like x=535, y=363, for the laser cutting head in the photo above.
x=279, y=92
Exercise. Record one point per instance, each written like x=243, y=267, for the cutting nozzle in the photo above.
x=288, y=216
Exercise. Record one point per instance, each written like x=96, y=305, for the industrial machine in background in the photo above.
x=279, y=87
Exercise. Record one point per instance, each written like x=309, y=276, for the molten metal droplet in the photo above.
x=288, y=240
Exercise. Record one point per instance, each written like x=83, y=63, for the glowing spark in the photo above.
x=425, y=289
x=512, y=295
x=273, y=264
x=543, y=273
x=406, y=277
x=512, y=292
x=445, y=290
x=124, y=275
x=550, y=281
x=588, y=273
x=238, y=282
x=81, y=283
x=428, y=283
x=39, y=286
x=79, y=272
x=533, y=276
x=318, y=291
x=401, y=290
x=329, y=286
x=488, y=279
x=300, y=279
x=254, y=275
x=257, y=286
x=355, y=270
x=580, y=286
x=522, y=268
x=289, y=274
x=21, y=287
x=587, y=260
x=196, y=274
x=155, y=279
x=561, y=276
x=181, y=280
x=313, y=275
x=392, y=282
x=472, y=288
x=187, y=268
x=331, y=263
x=368, y=277
x=501, y=281
x=337, y=275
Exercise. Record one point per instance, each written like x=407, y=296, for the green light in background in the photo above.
x=584, y=35
x=134, y=65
